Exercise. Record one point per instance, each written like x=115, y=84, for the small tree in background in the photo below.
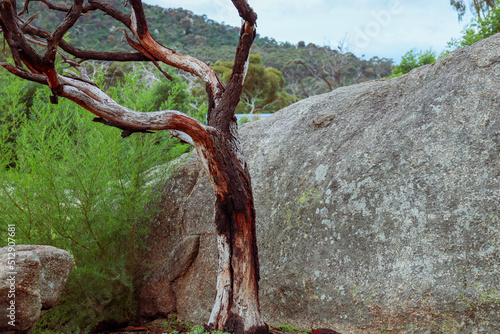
x=263, y=88
x=413, y=59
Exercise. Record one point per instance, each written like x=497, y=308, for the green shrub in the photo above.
x=478, y=29
x=74, y=184
x=287, y=328
x=413, y=59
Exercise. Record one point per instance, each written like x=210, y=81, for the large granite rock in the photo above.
x=377, y=207
x=32, y=278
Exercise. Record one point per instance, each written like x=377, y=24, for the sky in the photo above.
x=369, y=27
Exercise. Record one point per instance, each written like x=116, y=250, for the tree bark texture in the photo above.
x=236, y=308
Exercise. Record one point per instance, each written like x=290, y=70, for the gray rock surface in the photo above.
x=377, y=206
x=34, y=281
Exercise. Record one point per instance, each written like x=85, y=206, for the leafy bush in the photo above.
x=263, y=87
x=479, y=29
x=68, y=182
x=413, y=59
x=292, y=329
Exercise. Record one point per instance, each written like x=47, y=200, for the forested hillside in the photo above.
x=307, y=69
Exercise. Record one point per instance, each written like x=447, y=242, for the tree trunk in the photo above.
x=236, y=307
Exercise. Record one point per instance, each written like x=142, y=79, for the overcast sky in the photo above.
x=371, y=27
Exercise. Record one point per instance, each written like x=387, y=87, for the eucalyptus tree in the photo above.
x=478, y=7
x=263, y=88
x=34, y=52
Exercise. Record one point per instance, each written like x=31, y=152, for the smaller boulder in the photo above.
x=56, y=266
x=32, y=277
x=20, y=300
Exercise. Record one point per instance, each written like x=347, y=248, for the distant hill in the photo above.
x=308, y=69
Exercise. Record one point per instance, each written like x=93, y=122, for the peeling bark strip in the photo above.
x=236, y=308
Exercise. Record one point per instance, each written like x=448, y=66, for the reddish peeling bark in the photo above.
x=236, y=308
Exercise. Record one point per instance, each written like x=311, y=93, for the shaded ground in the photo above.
x=172, y=325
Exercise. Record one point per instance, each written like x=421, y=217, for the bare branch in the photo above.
x=182, y=136
x=111, y=11
x=110, y=113
x=145, y=52
x=96, y=101
x=224, y=113
x=49, y=4
x=67, y=59
x=25, y=74
x=246, y=12
x=150, y=48
x=139, y=23
x=21, y=51
x=186, y=63
x=101, y=55
x=240, y=67
x=127, y=131
x=28, y=21
x=86, y=54
x=48, y=64
x=68, y=22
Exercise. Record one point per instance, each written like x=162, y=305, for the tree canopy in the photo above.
x=263, y=87
x=479, y=8
x=480, y=28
